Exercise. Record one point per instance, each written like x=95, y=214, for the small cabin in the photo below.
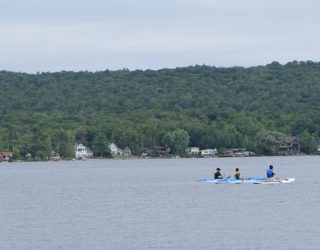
x=193, y=150
x=289, y=145
x=6, y=155
x=126, y=151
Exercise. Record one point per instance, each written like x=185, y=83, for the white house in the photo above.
x=82, y=152
x=116, y=151
x=208, y=152
x=193, y=150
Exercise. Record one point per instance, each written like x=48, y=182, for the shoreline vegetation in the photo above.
x=44, y=115
x=168, y=157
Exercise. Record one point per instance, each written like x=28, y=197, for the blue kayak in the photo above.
x=234, y=180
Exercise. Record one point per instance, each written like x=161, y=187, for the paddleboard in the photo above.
x=276, y=181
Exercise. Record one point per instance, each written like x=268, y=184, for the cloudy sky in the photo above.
x=55, y=35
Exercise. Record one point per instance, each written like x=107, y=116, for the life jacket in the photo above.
x=236, y=174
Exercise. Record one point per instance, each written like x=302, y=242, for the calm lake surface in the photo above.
x=157, y=204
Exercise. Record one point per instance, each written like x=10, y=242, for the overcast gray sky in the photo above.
x=44, y=35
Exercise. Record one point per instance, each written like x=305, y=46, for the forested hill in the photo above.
x=200, y=106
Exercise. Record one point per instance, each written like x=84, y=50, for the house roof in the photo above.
x=290, y=139
x=7, y=154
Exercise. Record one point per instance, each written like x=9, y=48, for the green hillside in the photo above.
x=199, y=106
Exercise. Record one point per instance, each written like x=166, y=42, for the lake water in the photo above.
x=157, y=204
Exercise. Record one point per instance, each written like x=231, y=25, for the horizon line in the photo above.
x=158, y=69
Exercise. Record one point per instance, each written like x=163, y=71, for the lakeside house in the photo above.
x=126, y=152
x=193, y=150
x=161, y=149
x=5, y=156
x=237, y=152
x=116, y=151
x=82, y=152
x=208, y=152
x=289, y=145
x=55, y=156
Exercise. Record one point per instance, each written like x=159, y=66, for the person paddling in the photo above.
x=217, y=174
x=237, y=174
x=270, y=173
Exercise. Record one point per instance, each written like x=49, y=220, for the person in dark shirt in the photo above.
x=217, y=174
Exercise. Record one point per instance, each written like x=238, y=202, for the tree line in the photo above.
x=200, y=105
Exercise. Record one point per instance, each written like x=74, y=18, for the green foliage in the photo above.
x=100, y=145
x=200, y=106
x=308, y=142
x=268, y=141
x=178, y=140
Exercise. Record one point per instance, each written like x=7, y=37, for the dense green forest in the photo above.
x=202, y=106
